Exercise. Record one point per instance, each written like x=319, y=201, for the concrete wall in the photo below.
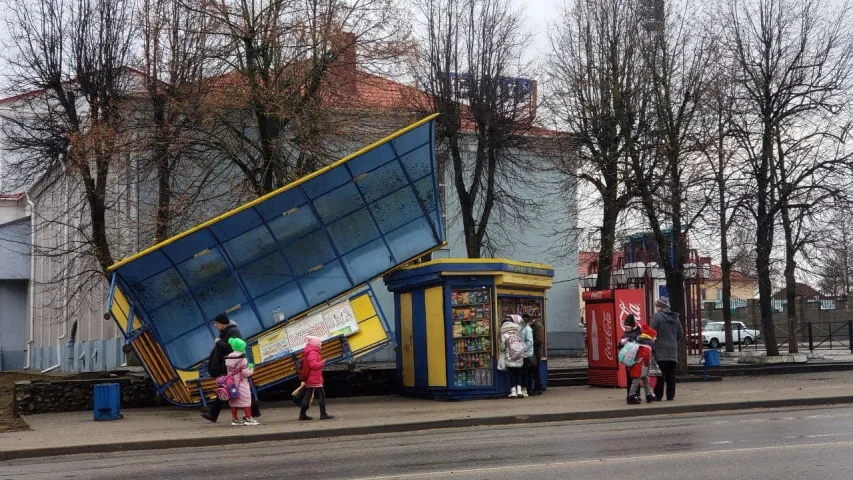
x=13, y=324
x=824, y=321
x=741, y=289
x=15, y=250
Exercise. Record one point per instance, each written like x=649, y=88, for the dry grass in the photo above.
x=8, y=421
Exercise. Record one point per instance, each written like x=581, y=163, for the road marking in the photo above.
x=599, y=461
x=722, y=442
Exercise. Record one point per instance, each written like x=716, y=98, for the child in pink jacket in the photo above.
x=311, y=376
x=240, y=371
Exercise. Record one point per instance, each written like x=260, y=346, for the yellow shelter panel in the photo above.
x=435, y=337
x=120, y=301
x=119, y=316
x=188, y=375
x=370, y=332
x=407, y=340
x=256, y=351
x=362, y=307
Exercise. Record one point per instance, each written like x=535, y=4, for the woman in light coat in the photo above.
x=511, y=332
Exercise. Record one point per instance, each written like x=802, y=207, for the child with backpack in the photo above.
x=238, y=372
x=640, y=369
x=512, y=355
x=311, y=375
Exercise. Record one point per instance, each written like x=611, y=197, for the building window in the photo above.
x=703, y=293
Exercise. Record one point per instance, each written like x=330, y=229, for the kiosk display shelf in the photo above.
x=521, y=306
x=472, y=346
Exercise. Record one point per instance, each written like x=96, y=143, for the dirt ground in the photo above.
x=8, y=421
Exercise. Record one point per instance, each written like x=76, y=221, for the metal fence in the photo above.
x=809, y=336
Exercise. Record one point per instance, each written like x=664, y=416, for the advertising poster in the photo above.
x=335, y=320
x=340, y=319
x=299, y=331
x=274, y=345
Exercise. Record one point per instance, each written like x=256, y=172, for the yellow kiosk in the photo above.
x=448, y=314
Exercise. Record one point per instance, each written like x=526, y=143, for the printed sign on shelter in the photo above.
x=340, y=319
x=274, y=345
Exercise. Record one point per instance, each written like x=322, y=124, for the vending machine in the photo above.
x=605, y=311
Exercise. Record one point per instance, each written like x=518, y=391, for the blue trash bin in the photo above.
x=710, y=358
x=107, y=401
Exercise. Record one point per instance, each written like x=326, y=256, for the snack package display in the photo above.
x=472, y=339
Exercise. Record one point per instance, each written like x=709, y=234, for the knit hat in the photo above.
x=662, y=302
x=315, y=341
x=516, y=319
x=527, y=318
x=223, y=319
x=649, y=331
x=629, y=321
x=237, y=345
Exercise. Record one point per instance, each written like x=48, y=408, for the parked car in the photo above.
x=714, y=334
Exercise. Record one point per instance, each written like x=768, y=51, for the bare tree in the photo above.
x=793, y=59
x=836, y=246
x=70, y=56
x=724, y=160
x=596, y=83
x=174, y=59
x=468, y=65
x=809, y=176
x=287, y=64
x=668, y=168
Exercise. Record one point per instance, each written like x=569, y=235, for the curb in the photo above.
x=417, y=426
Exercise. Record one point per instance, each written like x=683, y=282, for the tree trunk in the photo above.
x=99, y=233
x=726, y=268
x=790, y=281
x=764, y=240
x=605, y=254
x=725, y=264
x=765, y=292
x=164, y=194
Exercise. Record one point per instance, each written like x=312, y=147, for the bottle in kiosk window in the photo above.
x=593, y=337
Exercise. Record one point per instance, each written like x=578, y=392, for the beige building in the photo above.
x=743, y=286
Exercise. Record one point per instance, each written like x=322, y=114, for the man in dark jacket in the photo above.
x=534, y=369
x=670, y=331
x=631, y=332
x=216, y=362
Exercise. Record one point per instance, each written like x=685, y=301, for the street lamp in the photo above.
x=589, y=280
x=635, y=271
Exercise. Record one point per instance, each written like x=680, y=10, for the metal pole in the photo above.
x=850, y=335
x=739, y=344
x=811, y=338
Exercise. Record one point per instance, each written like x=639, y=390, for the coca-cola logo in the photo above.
x=608, y=336
x=629, y=309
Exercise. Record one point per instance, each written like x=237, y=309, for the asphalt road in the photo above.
x=770, y=444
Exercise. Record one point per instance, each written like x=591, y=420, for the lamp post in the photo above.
x=696, y=271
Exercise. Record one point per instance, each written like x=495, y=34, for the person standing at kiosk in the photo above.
x=534, y=374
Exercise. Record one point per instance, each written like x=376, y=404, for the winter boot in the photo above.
x=634, y=400
x=650, y=398
x=513, y=393
x=523, y=392
x=303, y=414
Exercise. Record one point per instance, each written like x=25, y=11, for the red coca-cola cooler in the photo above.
x=605, y=311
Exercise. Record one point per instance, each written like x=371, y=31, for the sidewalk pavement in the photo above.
x=172, y=427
